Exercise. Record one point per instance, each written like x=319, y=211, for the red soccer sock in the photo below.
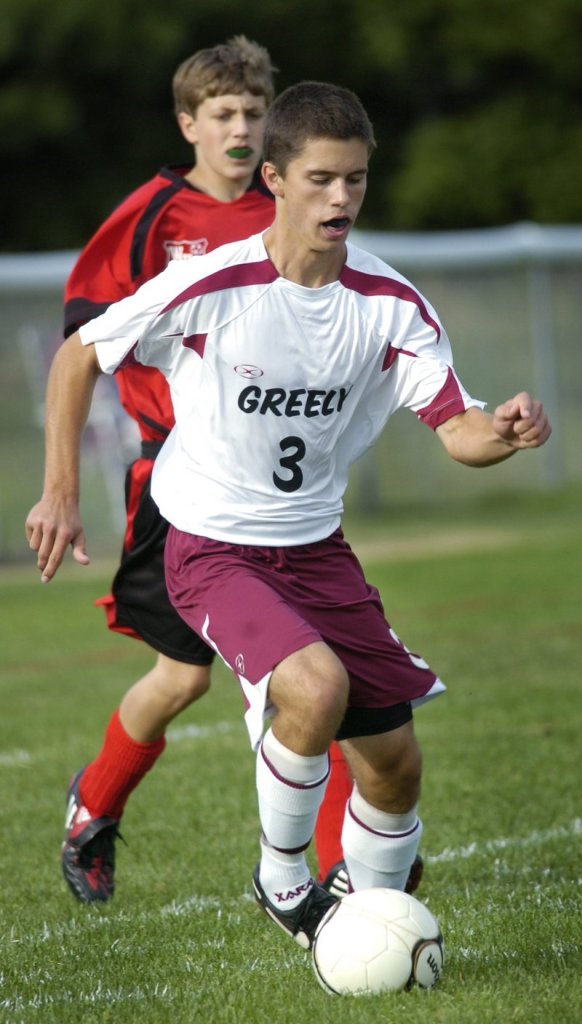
x=119, y=767
x=328, y=829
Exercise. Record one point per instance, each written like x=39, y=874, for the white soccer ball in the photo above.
x=378, y=940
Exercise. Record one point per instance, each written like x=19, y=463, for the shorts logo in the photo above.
x=184, y=248
x=248, y=371
x=240, y=664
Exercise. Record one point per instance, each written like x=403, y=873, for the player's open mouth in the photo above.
x=239, y=152
x=337, y=225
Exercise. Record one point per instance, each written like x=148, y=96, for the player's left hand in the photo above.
x=522, y=422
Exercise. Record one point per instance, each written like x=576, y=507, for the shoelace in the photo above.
x=314, y=907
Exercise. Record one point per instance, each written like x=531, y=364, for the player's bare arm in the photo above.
x=477, y=438
x=54, y=523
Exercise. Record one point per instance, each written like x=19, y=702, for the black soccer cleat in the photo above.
x=88, y=850
x=337, y=880
x=304, y=922
x=414, y=875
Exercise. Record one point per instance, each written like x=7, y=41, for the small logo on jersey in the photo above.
x=240, y=664
x=246, y=370
x=184, y=249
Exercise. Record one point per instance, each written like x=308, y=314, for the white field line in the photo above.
x=536, y=838
x=15, y=758
x=208, y=904
x=23, y=758
x=98, y=996
x=202, y=732
x=196, y=904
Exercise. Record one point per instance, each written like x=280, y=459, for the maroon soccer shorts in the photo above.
x=257, y=605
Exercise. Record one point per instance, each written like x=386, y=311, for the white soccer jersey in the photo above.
x=277, y=388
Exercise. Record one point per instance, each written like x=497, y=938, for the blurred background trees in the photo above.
x=477, y=106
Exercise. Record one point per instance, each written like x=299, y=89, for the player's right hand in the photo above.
x=51, y=528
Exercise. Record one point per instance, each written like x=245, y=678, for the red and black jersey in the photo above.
x=166, y=218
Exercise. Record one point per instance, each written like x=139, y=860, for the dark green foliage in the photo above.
x=477, y=107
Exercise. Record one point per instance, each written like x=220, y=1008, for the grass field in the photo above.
x=494, y=602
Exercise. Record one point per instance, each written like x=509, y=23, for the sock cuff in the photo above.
x=290, y=766
x=383, y=822
x=128, y=752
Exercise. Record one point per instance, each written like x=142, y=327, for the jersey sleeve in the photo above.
x=420, y=358
x=148, y=327
x=125, y=332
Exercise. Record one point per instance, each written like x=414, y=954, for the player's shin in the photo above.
x=121, y=764
x=379, y=848
x=290, y=789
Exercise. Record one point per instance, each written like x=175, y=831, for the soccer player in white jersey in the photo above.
x=286, y=354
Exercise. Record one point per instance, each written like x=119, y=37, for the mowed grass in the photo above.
x=494, y=603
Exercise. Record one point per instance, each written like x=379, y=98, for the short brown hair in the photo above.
x=237, y=66
x=313, y=110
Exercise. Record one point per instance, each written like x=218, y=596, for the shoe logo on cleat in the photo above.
x=292, y=894
x=71, y=811
x=75, y=815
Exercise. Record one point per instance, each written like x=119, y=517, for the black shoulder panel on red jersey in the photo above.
x=79, y=312
x=145, y=222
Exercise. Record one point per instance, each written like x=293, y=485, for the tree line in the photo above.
x=477, y=107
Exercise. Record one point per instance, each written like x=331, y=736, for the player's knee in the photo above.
x=329, y=702
x=328, y=696
x=310, y=689
x=183, y=683
x=197, y=683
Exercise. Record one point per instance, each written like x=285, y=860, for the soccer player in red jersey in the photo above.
x=221, y=96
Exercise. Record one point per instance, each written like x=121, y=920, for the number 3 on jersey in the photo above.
x=296, y=448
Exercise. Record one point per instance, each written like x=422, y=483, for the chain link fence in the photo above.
x=511, y=302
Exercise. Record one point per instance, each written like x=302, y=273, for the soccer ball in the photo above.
x=378, y=940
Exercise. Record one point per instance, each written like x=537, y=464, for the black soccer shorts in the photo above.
x=138, y=604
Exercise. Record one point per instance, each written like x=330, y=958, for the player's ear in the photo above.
x=272, y=179
x=187, y=125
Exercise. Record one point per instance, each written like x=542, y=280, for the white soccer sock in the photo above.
x=379, y=848
x=290, y=789
x=285, y=877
